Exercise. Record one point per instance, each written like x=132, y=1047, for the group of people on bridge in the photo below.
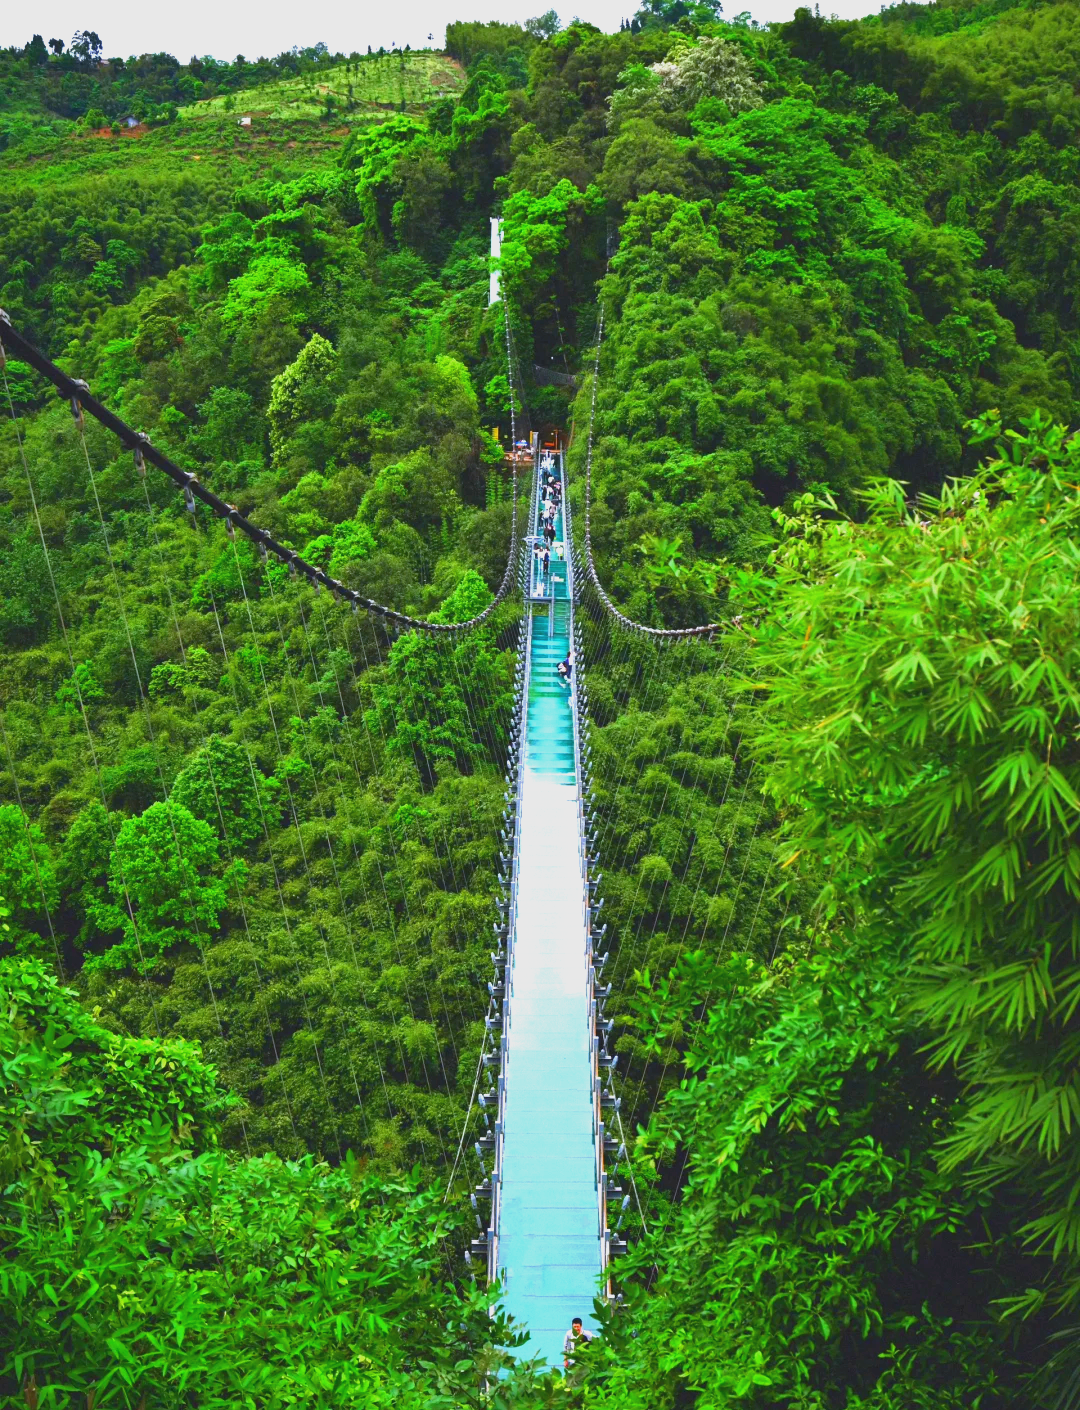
x=550, y=500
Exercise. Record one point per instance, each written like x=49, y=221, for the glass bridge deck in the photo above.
x=549, y=1255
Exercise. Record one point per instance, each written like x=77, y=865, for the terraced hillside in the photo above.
x=376, y=82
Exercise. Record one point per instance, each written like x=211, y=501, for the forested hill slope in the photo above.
x=257, y=841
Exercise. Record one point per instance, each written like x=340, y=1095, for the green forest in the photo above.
x=804, y=299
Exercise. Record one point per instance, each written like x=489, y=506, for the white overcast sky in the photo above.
x=226, y=28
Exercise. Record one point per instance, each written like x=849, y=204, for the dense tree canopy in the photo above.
x=250, y=843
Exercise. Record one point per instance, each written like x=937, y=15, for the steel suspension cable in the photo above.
x=419, y=966
x=689, y=814
x=689, y=1046
x=80, y=398
x=301, y=988
x=356, y=852
x=617, y=858
x=390, y=916
x=341, y=896
x=705, y=1004
x=207, y=736
x=665, y=633
x=395, y=926
x=78, y=394
x=145, y=702
x=717, y=677
x=320, y=928
x=95, y=761
x=337, y=767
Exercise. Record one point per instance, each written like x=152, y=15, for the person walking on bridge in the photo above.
x=575, y=1337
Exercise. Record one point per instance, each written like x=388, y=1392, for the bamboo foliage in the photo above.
x=925, y=679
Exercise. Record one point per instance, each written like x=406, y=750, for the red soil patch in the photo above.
x=140, y=130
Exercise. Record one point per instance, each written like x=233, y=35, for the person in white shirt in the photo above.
x=573, y=1339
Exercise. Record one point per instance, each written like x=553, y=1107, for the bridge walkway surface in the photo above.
x=548, y=1236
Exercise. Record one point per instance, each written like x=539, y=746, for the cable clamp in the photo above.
x=140, y=459
x=76, y=405
x=230, y=527
x=189, y=497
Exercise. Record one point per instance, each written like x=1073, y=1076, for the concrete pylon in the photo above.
x=494, y=293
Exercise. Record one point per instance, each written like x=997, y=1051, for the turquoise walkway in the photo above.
x=548, y=1236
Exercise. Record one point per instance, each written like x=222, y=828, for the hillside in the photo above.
x=802, y=300
x=351, y=91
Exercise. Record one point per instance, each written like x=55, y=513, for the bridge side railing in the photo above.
x=604, y=1099
x=595, y=993
x=504, y=957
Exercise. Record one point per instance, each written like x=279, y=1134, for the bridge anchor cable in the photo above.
x=77, y=393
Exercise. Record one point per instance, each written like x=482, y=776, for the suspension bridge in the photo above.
x=548, y=1138
x=548, y=1240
